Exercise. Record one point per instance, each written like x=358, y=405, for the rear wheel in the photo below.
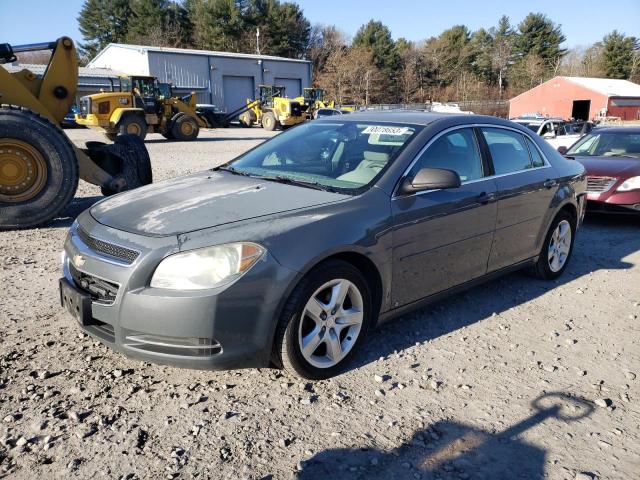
x=184, y=128
x=269, y=121
x=324, y=321
x=557, y=248
x=246, y=119
x=38, y=168
x=133, y=125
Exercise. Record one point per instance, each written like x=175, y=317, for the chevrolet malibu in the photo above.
x=291, y=253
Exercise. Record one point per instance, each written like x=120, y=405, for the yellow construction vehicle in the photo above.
x=271, y=109
x=313, y=99
x=143, y=105
x=39, y=165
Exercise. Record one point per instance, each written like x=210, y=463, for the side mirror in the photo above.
x=430, y=179
x=562, y=150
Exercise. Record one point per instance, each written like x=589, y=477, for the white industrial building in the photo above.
x=220, y=78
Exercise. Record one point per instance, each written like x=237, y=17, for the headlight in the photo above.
x=207, y=267
x=632, y=183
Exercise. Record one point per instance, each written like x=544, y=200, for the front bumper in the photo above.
x=614, y=202
x=223, y=328
x=91, y=120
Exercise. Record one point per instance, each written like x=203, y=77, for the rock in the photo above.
x=284, y=442
x=21, y=442
x=378, y=378
x=586, y=476
x=117, y=373
x=630, y=375
x=379, y=393
x=74, y=416
x=603, y=402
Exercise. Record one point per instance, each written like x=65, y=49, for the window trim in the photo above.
x=483, y=154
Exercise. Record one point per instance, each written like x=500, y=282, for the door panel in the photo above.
x=441, y=239
x=236, y=91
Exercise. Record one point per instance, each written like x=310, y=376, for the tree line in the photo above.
x=459, y=64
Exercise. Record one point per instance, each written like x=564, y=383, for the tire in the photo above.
x=134, y=162
x=168, y=135
x=184, y=127
x=50, y=171
x=111, y=136
x=269, y=121
x=547, y=268
x=133, y=125
x=295, y=324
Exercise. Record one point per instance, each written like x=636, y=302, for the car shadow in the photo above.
x=603, y=242
x=75, y=208
x=449, y=449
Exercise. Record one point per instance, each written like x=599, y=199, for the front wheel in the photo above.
x=557, y=247
x=324, y=321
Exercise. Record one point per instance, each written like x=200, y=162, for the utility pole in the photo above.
x=366, y=95
x=258, y=41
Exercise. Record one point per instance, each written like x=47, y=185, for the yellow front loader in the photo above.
x=271, y=109
x=39, y=165
x=143, y=105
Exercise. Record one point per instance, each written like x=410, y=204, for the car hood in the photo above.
x=610, y=166
x=203, y=200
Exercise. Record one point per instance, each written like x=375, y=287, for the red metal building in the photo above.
x=580, y=98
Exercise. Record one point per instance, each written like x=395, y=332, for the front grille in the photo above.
x=101, y=291
x=165, y=345
x=599, y=184
x=127, y=255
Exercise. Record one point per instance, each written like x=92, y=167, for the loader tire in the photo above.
x=132, y=162
x=38, y=169
x=269, y=121
x=184, y=127
x=246, y=120
x=133, y=125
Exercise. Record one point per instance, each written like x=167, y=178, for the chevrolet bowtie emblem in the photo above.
x=78, y=260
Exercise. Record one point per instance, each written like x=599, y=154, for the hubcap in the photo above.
x=133, y=129
x=186, y=128
x=559, y=246
x=331, y=323
x=23, y=171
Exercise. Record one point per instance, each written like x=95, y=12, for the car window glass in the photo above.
x=457, y=151
x=546, y=128
x=342, y=155
x=536, y=158
x=508, y=150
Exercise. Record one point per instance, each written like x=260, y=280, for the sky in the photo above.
x=583, y=21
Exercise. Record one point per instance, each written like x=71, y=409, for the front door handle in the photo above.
x=550, y=183
x=485, y=197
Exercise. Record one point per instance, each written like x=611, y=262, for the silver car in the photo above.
x=290, y=254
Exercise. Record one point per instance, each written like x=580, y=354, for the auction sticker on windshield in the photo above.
x=385, y=130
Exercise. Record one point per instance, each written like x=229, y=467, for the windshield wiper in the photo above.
x=302, y=183
x=234, y=171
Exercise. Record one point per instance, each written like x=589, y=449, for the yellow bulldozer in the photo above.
x=39, y=165
x=142, y=105
x=271, y=109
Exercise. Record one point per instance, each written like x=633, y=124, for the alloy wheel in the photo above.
x=559, y=246
x=331, y=323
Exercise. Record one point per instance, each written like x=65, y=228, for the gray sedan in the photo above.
x=290, y=254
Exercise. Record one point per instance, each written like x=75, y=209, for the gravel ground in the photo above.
x=517, y=378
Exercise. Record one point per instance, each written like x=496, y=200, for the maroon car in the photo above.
x=611, y=156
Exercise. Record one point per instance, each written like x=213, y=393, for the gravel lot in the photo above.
x=447, y=392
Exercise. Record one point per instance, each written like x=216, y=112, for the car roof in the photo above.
x=415, y=117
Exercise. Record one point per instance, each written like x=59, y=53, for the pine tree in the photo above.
x=540, y=37
x=617, y=54
x=102, y=22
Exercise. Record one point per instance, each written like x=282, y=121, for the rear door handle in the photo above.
x=550, y=183
x=485, y=197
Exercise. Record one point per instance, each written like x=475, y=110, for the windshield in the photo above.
x=607, y=144
x=532, y=126
x=335, y=155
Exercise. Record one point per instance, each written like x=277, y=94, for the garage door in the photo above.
x=292, y=86
x=236, y=90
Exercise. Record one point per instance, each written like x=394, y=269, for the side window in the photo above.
x=455, y=151
x=508, y=150
x=536, y=158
